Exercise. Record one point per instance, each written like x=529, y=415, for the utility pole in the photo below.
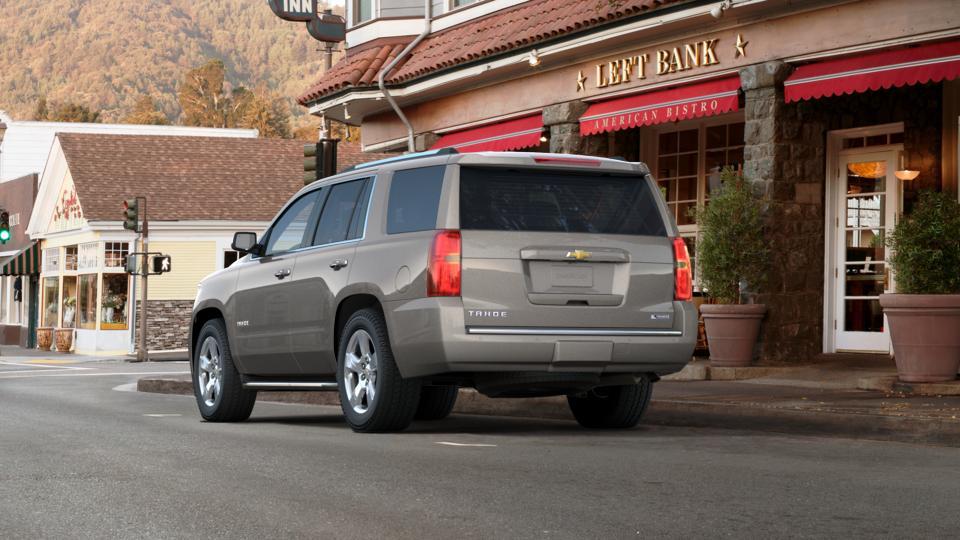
x=142, y=355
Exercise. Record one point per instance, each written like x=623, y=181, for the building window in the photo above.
x=70, y=258
x=51, y=260
x=89, y=257
x=115, y=254
x=690, y=157
x=230, y=257
x=362, y=11
x=454, y=4
x=87, y=301
x=51, y=298
x=69, y=301
x=4, y=298
x=113, y=315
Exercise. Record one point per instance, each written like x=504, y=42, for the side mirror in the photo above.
x=245, y=242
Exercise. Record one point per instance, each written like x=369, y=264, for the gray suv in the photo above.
x=400, y=281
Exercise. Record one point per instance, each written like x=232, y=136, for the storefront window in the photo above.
x=51, y=296
x=115, y=254
x=69, y=302
x=87, y=301
x=89, y=256
x=51, y=260
x=70, y=258
x=677, y=160
x=113, y=315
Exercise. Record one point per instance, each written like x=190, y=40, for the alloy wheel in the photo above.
x=210, y=371
x=360, y=371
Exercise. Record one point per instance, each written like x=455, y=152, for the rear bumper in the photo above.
x=429, y=337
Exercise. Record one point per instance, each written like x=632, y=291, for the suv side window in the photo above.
x=339, y=212
x=414, y=199
x=291, y=229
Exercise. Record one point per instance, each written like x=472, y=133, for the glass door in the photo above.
x=868, y=199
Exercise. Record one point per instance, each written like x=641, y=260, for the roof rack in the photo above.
x=405, y=157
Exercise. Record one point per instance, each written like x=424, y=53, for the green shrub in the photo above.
x=926, y=247
x=731, y=247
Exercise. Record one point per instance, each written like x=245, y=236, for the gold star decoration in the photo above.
x=581, y=81
x=741, y=46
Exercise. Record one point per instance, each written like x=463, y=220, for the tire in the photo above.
x=436, y=402
x=365, y=362
x=612, y=407
x=216, y=381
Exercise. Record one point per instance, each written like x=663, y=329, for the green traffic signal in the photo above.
x=4, y=227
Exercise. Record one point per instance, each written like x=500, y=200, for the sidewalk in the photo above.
x=815, y=399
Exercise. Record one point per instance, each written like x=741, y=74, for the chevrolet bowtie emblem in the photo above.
x=579, y=255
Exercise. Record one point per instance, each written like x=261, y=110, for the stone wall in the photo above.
x=168, y=324
x=785, y=158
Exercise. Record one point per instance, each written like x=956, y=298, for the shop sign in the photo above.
x=67, y=214
x=294, y=10
x=688, y=56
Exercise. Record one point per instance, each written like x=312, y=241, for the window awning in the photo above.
x=885, y=69
x=507, y=135
x=692, y=101
x=26, y=262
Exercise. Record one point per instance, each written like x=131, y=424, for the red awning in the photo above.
x=508, y=135
x=873, y=71
x=691, y=101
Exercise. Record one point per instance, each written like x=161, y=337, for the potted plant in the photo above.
x=924, y=314
x=69, y=311
x=732, y=254
x=110, y=303
x=64, y=339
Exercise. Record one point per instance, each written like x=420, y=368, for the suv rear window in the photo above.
x=500, y=199
x=414, y=199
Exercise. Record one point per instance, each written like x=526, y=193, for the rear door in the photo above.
x=560, y=249
x=323, y=271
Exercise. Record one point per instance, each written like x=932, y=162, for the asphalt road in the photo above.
x=82, y=458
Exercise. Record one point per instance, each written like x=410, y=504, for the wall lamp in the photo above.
x=905, y=174
x=718, y=10
x=534, y=58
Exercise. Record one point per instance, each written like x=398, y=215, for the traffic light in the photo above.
x=4, y=227
x=131, y=214
x=319, y=160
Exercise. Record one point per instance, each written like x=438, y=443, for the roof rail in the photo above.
x=404, y=157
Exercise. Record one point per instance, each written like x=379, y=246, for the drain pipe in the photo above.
x=427, y=20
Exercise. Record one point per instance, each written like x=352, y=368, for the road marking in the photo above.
x=33, y=365
x=162, y=415
x=109, y=374
x=49, y=361
x=480, y=445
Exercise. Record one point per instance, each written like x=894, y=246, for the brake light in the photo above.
x=683, y=274
x=443, y=270
x=568, y=161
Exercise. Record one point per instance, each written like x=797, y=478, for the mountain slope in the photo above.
x=105, y=53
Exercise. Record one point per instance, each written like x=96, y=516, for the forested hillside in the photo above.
x=108, y=54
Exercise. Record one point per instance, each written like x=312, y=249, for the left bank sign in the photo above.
x=294, y=10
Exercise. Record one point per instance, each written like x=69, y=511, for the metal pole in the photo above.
x=142, y=352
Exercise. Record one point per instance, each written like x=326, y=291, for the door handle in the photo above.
x=280, y=274
x=338, y=264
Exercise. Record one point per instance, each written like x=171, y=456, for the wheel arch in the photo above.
x=347, y=307
x=200, y=318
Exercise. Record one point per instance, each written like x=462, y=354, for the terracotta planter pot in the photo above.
x=64, y=339
x=732, y=331
x=925, y=331
x=44, y=338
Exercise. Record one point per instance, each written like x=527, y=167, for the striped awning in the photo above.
x=500, y=137
x=872, y=71
x=26, y=262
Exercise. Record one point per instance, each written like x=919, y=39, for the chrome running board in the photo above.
x=515, y=331
x=291, y=385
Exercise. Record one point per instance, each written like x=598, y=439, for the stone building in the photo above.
x=823, y=105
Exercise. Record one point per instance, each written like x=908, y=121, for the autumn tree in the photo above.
x=64, y=112
x=145, y=112
x=264, y=111
x=202, y=97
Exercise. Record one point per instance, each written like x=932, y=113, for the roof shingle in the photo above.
x=522, y=26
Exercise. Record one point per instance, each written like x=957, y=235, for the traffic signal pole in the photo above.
x=142, y=355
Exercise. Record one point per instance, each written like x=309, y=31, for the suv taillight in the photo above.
x=443, y=267
x=683, y=284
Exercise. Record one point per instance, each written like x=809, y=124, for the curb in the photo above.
x=682, y=413
x=893, y=384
